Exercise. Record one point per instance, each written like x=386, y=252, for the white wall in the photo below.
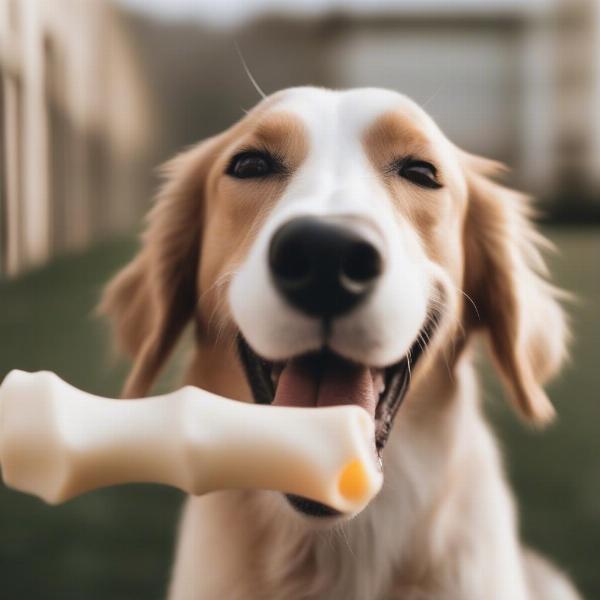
x=465, y=80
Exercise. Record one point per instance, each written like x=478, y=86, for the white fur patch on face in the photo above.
x=269, y=325
x=336, y=180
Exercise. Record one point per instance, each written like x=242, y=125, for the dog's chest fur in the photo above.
x=250, y=545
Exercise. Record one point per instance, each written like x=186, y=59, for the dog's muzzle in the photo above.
x=324, y=268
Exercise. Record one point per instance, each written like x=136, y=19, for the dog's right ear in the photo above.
x=153, y=298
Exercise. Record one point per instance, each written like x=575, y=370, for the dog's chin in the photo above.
x=325, y=378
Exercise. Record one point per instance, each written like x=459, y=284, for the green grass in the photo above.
x=117, y=543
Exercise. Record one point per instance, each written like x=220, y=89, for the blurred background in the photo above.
x=94, y=95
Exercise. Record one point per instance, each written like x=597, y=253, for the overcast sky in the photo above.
x=230, y=12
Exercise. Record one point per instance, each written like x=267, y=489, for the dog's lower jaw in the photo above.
x=312, y=509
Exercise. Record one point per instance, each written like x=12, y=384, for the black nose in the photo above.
x=323, y=268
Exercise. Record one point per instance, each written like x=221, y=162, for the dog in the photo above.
x=335, y=247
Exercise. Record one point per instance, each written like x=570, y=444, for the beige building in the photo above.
x=74, y=129
x=515, y=80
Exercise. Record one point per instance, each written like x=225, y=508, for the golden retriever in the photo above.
x=334, y=247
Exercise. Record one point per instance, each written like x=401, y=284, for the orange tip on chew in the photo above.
x=353, y=483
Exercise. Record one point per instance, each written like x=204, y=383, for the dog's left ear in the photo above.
x=152, y=299
x=505, y=279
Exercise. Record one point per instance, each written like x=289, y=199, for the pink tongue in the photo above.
x=303, y=383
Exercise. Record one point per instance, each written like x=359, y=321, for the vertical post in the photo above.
x=537, y=118
x=12, y=188
x=594, y=119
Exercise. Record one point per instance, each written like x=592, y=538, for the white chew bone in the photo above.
x=57, y=442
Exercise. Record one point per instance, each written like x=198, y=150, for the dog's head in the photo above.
x=340, y=241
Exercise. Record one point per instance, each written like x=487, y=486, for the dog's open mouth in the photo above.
x=324, y=378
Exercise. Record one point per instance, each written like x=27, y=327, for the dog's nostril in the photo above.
x=290, y=263
x=362, y=262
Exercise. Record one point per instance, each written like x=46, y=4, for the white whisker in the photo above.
x=248, y=73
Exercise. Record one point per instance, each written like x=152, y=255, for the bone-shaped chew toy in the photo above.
x=57, y=442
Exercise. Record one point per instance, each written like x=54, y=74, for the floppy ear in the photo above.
x=152, y=299
x=505, y=278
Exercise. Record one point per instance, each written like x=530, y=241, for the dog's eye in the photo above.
x=252, y=164
x=420, y=173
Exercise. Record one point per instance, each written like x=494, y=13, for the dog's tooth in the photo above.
x=378, y=381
